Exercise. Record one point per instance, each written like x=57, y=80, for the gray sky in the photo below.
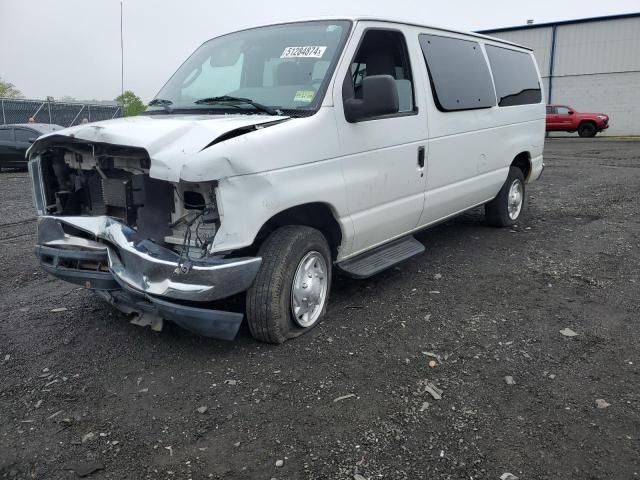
x=72, y=47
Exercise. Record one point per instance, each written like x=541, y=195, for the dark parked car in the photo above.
x=16, y=139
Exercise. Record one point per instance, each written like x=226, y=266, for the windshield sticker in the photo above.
x=305, y=96
x=303, y=52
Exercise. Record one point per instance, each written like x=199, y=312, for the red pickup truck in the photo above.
x=566, y=119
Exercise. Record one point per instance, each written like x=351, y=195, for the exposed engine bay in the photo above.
x=131, y=208
x=94, y=179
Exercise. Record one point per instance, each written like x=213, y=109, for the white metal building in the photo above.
x=592, y=64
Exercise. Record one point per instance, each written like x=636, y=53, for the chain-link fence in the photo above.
x=64, y=114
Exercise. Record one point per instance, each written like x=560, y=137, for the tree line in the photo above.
x=131, y=103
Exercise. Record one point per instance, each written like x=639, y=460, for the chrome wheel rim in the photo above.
x=515, y=199
x=309, y=289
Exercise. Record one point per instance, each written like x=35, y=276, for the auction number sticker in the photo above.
x=303, y=52
x=305, y=96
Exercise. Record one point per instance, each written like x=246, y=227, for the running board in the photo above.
x=380, y=258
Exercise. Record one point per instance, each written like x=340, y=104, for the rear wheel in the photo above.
x=506, y=208
x=290, y=293
x=587, y=130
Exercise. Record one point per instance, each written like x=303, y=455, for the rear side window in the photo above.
x=515, y=76
x=5, y=135
x=549, y=110
x=459, y=74
x=25, y=135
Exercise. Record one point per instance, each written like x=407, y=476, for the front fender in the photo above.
x=247, y=202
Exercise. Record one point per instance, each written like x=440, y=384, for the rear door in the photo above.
x=563, y=118
x=7, y=147
x=552, y=118
x=464, y=145
x=24, y=137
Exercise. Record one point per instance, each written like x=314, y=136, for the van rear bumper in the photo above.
x=537, y=167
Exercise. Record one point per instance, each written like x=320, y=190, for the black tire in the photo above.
x=497, y=210
x=268, y=305
x=587, y=130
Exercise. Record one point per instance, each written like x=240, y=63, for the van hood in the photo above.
x=170, y=140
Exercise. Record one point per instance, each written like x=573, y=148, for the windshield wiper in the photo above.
x=229, y=99
x=161, y=102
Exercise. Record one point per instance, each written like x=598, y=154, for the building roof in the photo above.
x=561, y=22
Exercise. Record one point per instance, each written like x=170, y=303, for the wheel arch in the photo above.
x=523, y=162
x=318, y=215
x=587, y=120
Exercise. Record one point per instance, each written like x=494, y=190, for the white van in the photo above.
x=277, y=154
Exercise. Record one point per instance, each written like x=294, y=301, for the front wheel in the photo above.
x=290, y=293
x=587, y=130
x=506, y=208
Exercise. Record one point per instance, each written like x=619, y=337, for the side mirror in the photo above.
x=32, y=139
x=379, y=97
x=571, y=112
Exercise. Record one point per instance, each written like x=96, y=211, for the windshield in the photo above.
x=284, y=67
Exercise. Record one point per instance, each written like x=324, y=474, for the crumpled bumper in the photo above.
x=102, y=254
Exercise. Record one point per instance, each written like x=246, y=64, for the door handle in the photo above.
x=421, y=157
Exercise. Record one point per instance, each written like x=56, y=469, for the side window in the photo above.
x=24, y=135
x=384, y=52
x=515, y=76
x=562, y=110
x=549, y=110
x=459, y=74
x=5, y=135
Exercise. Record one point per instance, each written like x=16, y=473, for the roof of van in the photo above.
x=363, y=18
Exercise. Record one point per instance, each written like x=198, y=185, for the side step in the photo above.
x=380, y=258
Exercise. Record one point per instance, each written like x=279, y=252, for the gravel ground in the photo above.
x=349, y=399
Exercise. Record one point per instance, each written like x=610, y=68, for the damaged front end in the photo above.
x=143, y=244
